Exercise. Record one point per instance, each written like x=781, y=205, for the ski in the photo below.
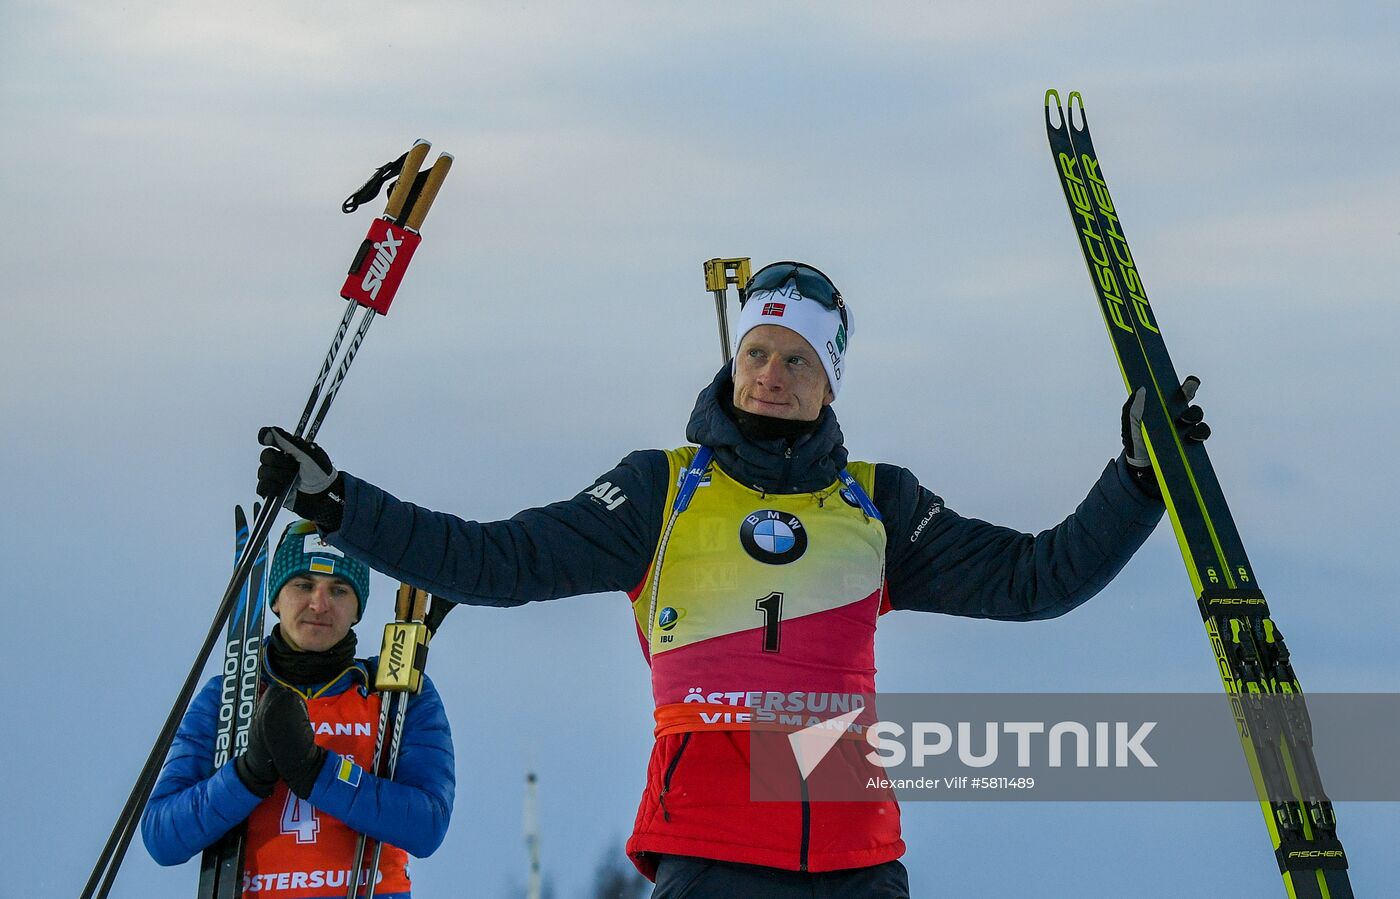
x=221, y=868
x=1270, y=715
x=210, y=865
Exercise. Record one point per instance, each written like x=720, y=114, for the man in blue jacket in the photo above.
x=300, y=785
x=758, y=563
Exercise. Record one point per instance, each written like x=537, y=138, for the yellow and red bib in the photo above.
x=751, y=595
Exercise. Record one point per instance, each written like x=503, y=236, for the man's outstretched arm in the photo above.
x=939, y=561
x=600, y=540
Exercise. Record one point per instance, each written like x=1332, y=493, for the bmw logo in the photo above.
x=773, y=537
x=668, y=618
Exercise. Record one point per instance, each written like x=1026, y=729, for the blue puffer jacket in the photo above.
x=191, y=809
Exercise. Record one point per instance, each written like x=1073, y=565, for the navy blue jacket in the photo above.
x=190, y=809
x=603, y=539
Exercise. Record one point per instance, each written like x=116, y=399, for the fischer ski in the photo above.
x=221, y=868
x=1264, y=693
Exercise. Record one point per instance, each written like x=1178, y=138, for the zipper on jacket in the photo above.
x=806, y=826
x=671, y=769
x=787, y=466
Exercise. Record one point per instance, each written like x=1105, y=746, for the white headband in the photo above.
x=819, y=326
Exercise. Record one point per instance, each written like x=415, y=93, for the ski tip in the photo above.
x=421, y=140
x=1054, y=112
x=1075, y=103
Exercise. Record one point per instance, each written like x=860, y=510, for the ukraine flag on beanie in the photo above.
x=302, y=551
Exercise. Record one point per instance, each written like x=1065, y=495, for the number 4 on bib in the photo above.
x=299, y=818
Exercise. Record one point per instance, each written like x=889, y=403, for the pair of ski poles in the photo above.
x=374, y=277
x=402, y=660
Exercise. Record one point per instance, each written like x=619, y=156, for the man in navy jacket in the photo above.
x=697, y=535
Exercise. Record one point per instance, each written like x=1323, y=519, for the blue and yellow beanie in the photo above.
x=302, y=551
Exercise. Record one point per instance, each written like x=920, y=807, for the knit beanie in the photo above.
x=302, y=551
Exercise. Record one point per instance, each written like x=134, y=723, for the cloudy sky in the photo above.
x=174, y=174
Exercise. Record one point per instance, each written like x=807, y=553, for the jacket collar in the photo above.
x=356, y=670
x=798, y=465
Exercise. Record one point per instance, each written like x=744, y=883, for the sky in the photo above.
x=174, y=173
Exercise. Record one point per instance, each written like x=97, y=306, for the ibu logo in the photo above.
x=773, y=537
x=669, y=618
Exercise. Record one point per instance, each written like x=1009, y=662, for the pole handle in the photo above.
x=398, y=195
x=436, y=175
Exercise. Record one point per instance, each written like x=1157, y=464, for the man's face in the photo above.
x=778, y=374
x=317, y=611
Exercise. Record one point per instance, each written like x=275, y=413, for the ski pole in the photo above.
x=408, y=607
x=718, y=277
x=371, y=283
x=436, y=613
x=402, y=659
x=410, y=161
x=532, y=837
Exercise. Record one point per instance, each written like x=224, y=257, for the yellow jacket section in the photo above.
x=701, y=570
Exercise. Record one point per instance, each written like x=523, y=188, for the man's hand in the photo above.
x=1190, y=425
x=319, y=495
x=286, y=730
x=255, y=766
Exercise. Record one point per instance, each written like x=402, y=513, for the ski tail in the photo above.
x=1253, y=661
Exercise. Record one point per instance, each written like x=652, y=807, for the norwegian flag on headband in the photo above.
x=774, y=309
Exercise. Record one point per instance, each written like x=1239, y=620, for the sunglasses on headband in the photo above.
x=811, y=283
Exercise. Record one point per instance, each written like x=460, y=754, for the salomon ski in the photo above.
x=221, y=869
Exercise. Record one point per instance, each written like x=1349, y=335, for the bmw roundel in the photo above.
x=773, y=537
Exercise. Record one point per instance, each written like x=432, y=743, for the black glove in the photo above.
x=255, y=766
x=320, y=493
x=286, y=730
x=1189, y=424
